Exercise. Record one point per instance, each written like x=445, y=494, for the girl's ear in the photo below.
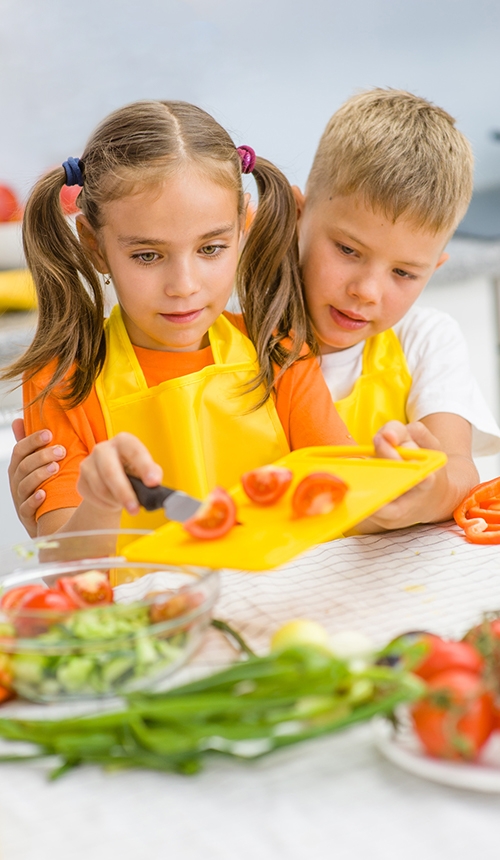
x=249, y=214
x=88, y=238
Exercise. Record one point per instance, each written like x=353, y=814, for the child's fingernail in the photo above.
x=39, y=495
x=59, y=451
x=45, y=436
x=153, y=476
x=132, y=507
x=52, y=468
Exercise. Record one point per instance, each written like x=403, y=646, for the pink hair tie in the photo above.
x=248, y=158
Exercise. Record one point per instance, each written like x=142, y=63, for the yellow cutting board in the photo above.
x=270, y=536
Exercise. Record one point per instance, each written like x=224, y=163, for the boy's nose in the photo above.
x=366, y=287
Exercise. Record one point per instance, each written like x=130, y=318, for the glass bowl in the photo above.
x=156, y=621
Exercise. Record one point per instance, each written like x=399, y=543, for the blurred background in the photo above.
x=272, y=72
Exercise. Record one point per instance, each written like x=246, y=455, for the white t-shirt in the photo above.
x=442, y=380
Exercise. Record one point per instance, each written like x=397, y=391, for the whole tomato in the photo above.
x=456, y=717
x=443, y=654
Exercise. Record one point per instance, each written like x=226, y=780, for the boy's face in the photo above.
x=361, y=271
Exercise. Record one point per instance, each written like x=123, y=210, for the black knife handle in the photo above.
x=151, y=498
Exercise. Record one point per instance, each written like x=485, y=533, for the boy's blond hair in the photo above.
x=402, y=153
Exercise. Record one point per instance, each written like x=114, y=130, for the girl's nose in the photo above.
x=181, y=281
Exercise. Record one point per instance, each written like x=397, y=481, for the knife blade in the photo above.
x=177, y=505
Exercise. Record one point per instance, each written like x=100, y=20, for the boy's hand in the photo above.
x=31, y=463
x=435, y=498
x=103, y=483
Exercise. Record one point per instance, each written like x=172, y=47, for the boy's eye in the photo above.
x=345, y=249
x=402, y=274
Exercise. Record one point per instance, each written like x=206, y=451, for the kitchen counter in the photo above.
x=332, y=797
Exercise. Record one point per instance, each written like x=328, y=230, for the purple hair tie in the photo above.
x=73, y=170
x=248, y=158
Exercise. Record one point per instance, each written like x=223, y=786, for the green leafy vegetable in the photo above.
x=247, y=710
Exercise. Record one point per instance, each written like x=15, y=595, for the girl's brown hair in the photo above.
x=134, y=147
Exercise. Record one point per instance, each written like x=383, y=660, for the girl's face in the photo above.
x=172, y=254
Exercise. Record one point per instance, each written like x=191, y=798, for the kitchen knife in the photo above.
x=177, y=505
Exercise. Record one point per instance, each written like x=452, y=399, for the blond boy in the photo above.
x=391, y=179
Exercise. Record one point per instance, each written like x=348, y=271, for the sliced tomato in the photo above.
x=266, y=485
x=165, y=608
x=456, y=717
x=35, y=613
x=91, y=588
x=214, y=518
x=318, y=493
x=12, y=598
x=443, y=654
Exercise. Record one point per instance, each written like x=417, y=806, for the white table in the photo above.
x=331, y=798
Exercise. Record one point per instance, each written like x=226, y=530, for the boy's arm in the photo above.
x=435, y=499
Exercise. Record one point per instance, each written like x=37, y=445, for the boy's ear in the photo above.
x=300, y=200
x=444, y=256
x=88, y=238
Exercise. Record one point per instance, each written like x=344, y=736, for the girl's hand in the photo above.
x=103, y=483
x=31, y=463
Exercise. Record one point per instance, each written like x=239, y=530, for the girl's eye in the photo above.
x=146, y=257
x=402, y=274
x=212, y=250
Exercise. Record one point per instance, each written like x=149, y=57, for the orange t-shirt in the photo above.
x=303, y=403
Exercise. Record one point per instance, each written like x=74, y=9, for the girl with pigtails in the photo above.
x=171, y=386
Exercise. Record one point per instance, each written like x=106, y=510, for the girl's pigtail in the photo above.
x=268, y=281
x=70, y=298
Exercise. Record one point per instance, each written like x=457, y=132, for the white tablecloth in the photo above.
x=331, y=798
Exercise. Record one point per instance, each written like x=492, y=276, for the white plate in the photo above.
x=402, y=747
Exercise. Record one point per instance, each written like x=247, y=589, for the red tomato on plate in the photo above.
x=12, y=598
x=266, y=485
x=318, y=493
x=91, y=588
x=214, y=518
x=10, y=207
x=456, y=717
x=443, y=654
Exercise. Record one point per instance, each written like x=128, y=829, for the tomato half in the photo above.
x=443, y=654
x=456, y=717
x=318, y=493
x=11, y=599
x=214, y=518
x=266, y=485
x=38, y=611
x=91, y=588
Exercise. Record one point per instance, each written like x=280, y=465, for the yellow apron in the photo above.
x=198, y=427
x=380, y=393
